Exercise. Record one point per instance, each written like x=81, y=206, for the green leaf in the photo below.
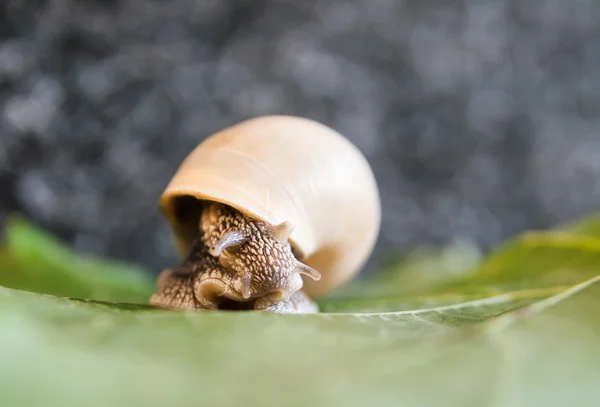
x=518, y=328
x=532, y=265
x=57, y=352
x=32, y=260
x=588, y=226
x=403, y=276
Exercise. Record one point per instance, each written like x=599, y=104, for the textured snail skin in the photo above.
x=259, y=253
x=256, y=268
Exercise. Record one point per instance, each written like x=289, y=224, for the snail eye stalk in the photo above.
x=233, y=238
x=302, y=268
x=282, y=232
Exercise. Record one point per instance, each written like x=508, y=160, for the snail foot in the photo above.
x=173, y=291
x=297, y=303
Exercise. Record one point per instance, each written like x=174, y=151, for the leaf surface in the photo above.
x=33, y=260
x=518, y=328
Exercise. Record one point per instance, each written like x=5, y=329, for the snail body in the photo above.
x=279, y=209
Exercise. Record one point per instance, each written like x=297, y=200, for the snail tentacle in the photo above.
x=282, y=232
x=233, y=238
x=303, y=269
x=247, y=285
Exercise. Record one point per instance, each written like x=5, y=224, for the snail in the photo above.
x=268, y=214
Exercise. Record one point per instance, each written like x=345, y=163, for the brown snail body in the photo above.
x=286, y=188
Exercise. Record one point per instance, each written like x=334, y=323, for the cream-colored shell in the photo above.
x=284, y=168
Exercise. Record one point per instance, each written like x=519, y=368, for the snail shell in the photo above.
x=284, y=168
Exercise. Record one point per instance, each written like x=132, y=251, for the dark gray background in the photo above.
x=481, y=119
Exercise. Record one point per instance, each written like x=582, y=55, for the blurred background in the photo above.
x=481, y=119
